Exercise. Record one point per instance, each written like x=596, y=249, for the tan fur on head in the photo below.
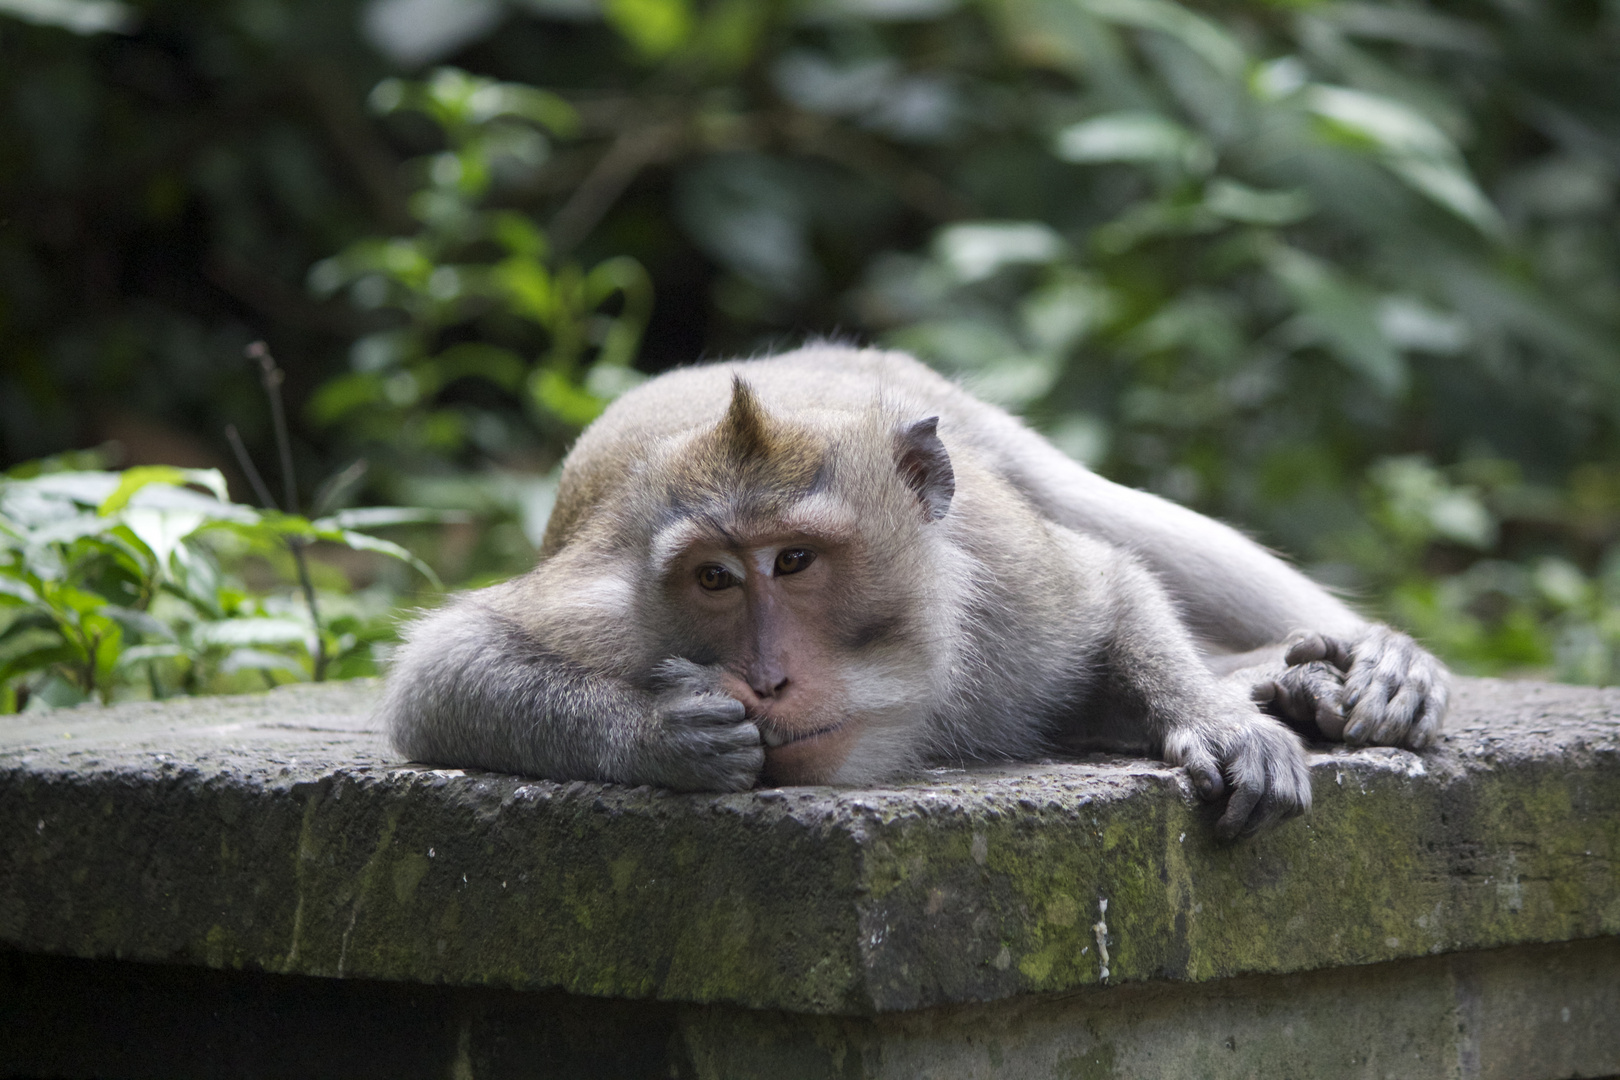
x=748, y=451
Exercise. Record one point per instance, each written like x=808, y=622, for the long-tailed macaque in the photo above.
x=834, y=565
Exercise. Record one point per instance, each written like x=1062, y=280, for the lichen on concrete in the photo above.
x=278, y=833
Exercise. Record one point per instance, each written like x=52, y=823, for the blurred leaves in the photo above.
x=115, y=583
x=1345, y=272
x=480, y=296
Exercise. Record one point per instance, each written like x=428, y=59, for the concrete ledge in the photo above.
x=274, y=833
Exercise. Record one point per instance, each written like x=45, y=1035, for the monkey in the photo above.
x=834, y=566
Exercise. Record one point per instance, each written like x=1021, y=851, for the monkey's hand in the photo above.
x=701, y=739
x=1254, y=758
x=1394, y=691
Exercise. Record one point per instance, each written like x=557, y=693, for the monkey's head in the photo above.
x=799, y=557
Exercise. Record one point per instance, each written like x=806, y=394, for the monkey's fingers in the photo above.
x=1425, y=731
x=1311, y=694
x=1265, y=767
x=702, y=710
x=1396, y=693
x=710, y=758
x=1313, y=646
x=1192, y=752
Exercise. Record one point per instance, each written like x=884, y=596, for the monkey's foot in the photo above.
x=1394, y=692
x=1254, y=758
x=1307, y=696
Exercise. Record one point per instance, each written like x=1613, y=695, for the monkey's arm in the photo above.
x=1150, y=680
x=472, y=686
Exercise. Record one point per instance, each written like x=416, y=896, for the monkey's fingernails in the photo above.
x=1308, y=648
x=1330, y=721
x=1239, y=807
x=1339, y=653
x=1207, y=781
x=1263, y=693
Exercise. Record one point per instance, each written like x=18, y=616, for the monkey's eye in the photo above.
x=792, y=560
x=714, y=578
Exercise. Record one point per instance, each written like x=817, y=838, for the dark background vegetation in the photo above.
x=1344, y=273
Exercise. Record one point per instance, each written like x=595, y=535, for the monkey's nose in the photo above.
x=767, y=681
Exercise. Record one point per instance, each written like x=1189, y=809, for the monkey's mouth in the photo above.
x=775, y=738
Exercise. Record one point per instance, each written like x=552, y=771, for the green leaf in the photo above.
x=133, y=480
x=229, y=633
x=960, y=344
x=531, y=103
x=258, y=660
x=977, y=250
x=65, y=598
x=139, y=622
x=13, y=590
x=1413, y=147
x=527, y=288
x=55, y=692
x=1208, y=39
x=197, y=576
x=1134, y=137
x=65, y=531
x=78, y=16
x=162, y=531
x=1448, y=183
x=141, y=654
x=1238, y=202
x=373, y=517
x=1344, y=315
x=655, y=27
x=555, y=394
x=361, y=542
x=480, y=360
x=38, y=659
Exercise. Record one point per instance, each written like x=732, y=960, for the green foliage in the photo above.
x=1436, y=548
x=1346, y=272
x=480, y=298
x=114, y=584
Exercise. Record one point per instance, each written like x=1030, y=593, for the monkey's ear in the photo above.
x=926, y=467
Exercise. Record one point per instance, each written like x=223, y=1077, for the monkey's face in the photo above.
x=767, y=607
x=794, y=562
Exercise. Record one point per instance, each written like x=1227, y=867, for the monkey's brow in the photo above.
x=714, y=522
x=668, y=543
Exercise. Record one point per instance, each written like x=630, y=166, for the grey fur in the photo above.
x=1030, y=606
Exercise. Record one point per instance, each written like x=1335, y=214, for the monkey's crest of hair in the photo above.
x=750, y=456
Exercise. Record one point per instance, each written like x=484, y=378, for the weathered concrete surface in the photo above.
x=275, y=833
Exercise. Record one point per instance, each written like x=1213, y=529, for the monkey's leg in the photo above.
x=1236, y=596
x=471, y=687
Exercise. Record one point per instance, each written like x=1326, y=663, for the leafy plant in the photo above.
x=1497, y=572
x=115, y=584
x=483, y=297
x=1321, y=268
